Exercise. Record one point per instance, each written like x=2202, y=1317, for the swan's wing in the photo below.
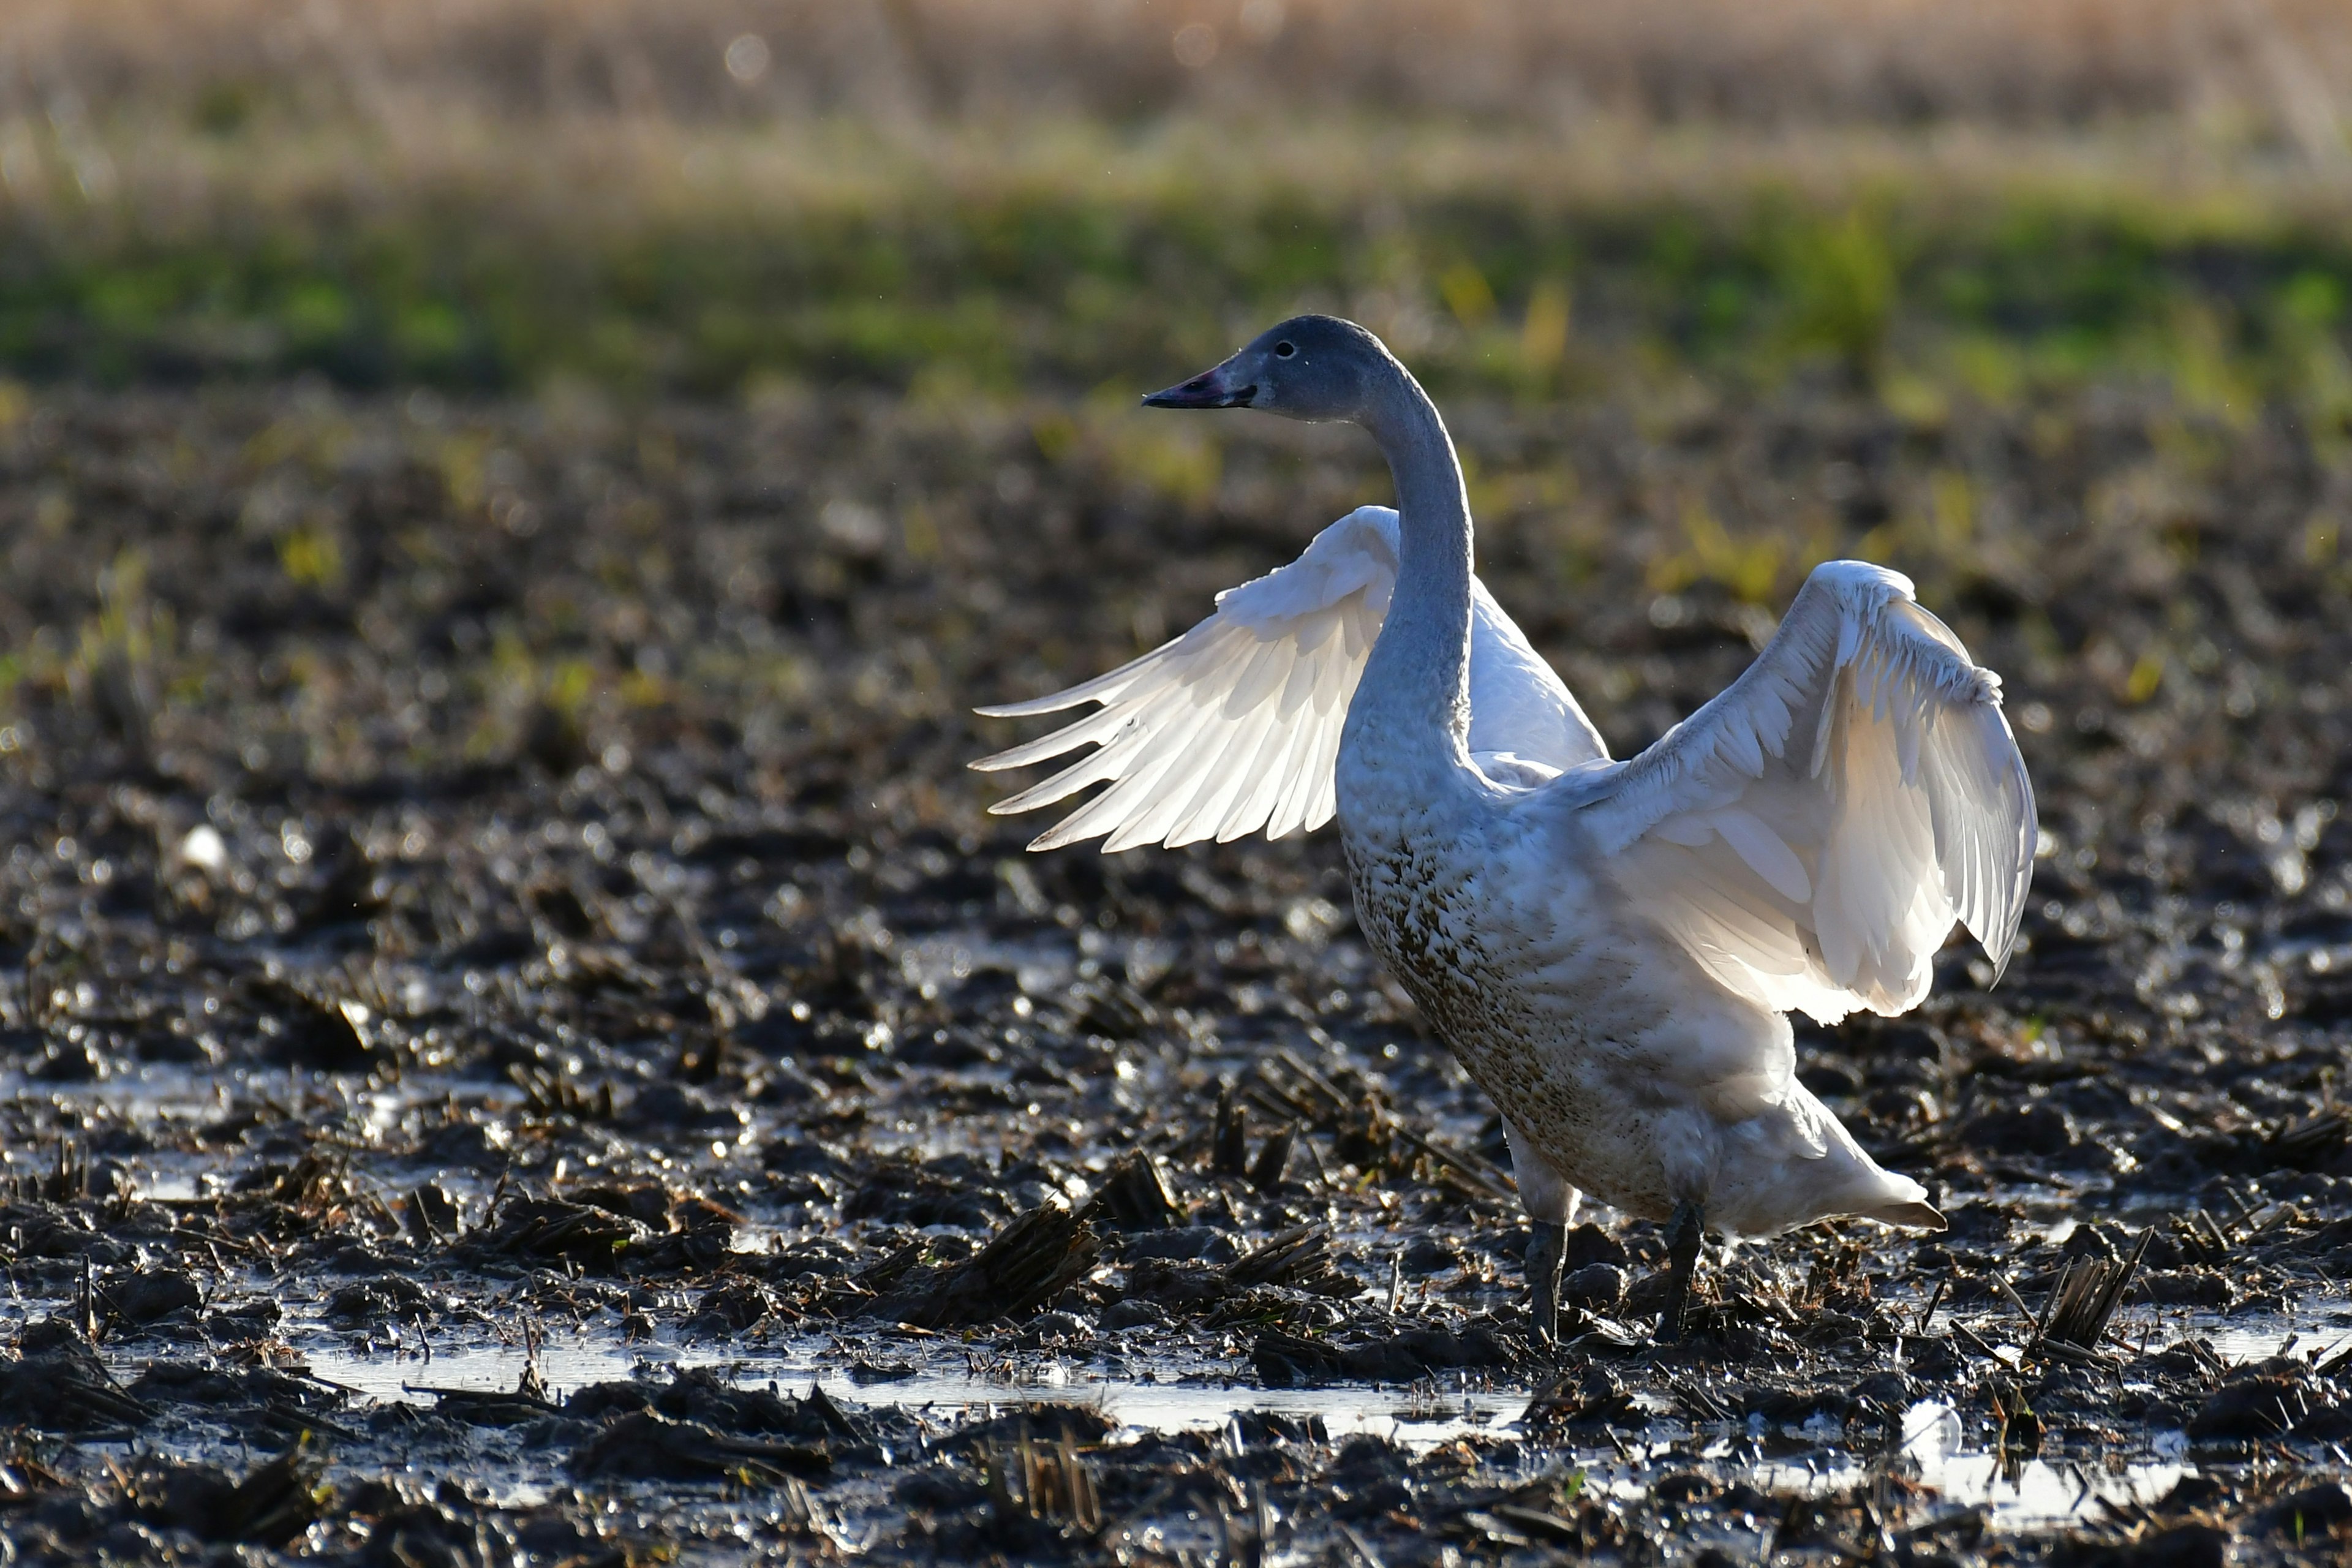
x=1813, y=833
x=1519, y=705
x=1234, y=726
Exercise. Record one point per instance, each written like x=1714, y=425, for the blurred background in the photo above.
x=982, y=196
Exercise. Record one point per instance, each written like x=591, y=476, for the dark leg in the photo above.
x=1544, y=1250
x=1682, y=1256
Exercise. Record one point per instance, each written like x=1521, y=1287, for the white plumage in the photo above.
x=1234, y=726
x=1810, y=835
x=1610, y=947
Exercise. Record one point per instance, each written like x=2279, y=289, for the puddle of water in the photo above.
x=482, y=1369
x=166, y=1186
x=2036, y=1492
x=2041, y=1492
x=2240, y=1345
x=1417, y=1419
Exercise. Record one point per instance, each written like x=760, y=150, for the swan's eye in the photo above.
x=1283, y=351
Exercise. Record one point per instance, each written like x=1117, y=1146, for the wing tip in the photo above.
x=1034, y=708
x=1845, y=571
x=1217, y=662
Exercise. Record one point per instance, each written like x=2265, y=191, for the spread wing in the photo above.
x=1812, y=835
x=1234, y=726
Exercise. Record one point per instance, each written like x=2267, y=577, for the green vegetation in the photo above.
x=1073, y=257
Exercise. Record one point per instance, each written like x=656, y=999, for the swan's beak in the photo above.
x=1223, y=387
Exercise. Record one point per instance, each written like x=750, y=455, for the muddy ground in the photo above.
x=522, y=1044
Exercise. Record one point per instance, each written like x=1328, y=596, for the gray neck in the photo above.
x=1415, y=688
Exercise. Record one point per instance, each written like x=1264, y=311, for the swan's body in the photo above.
x=1610, y=948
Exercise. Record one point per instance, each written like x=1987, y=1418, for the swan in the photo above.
x=1611, y=948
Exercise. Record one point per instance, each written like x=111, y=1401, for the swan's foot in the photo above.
x=1682, y=1262
x=1544, y=1249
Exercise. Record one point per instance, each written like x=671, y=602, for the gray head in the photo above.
x=1308, y=367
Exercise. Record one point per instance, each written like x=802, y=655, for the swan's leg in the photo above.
x=1681, y=1260
x=1551, y=1203
x=1545, y=1245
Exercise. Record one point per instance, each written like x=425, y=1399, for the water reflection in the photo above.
x=1933, y=1444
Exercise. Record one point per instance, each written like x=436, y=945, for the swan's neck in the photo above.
x=1415, y=690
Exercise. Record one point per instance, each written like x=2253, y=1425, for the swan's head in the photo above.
x=1308, y=367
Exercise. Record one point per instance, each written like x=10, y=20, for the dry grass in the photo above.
x=2272, y=70
x=1534, y=198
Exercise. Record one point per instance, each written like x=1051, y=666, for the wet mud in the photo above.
x=521, y=1046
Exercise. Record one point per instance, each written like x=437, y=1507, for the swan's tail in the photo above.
x=1803, y=1165
x=1885, y=1195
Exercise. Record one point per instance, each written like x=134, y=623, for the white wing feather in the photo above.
x=1234, y=726
x=1812, y=835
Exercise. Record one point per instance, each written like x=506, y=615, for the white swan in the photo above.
x=1610, y=948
